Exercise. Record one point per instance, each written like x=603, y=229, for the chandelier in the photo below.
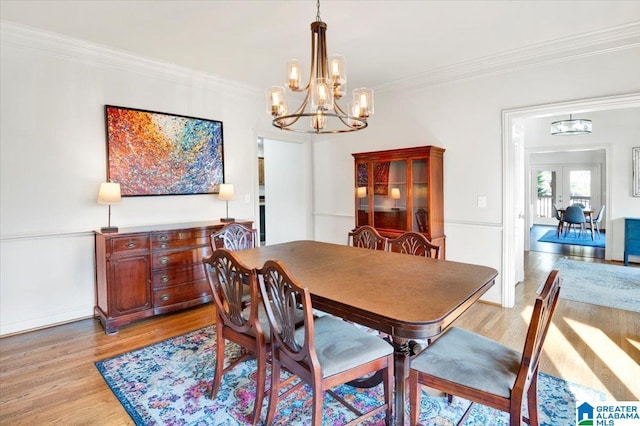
x=326, y=85
x=571, y=127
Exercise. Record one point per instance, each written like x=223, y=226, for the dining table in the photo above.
x=588, y=214
x=406, y=297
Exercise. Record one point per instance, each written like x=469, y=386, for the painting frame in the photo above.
x=635, y=174
x=153, y=153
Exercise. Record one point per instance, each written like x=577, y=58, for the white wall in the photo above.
x=53, y=158
x=464, y=117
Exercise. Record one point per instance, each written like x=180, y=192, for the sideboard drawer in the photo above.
x=130, y=243
x=176, y=276
x=180, y=294
x=180, y=258
x=178, y=239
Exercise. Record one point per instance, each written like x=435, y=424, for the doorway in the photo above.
x=513, y=148
x=284, y=182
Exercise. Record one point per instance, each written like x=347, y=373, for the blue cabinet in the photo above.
x=631, y=238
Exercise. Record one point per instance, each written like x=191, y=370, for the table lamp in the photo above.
x=226, y=194
x=361, y=192
x=109, y=194
x=395, y=195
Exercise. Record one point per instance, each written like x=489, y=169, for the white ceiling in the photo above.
x=383, y=41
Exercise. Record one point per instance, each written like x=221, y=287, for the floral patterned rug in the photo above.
x=169, y=383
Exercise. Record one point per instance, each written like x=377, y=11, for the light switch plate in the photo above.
x=482, y=201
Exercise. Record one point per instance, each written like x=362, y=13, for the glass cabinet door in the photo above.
x=420, y=195
x=390, y=195
x=362, y=192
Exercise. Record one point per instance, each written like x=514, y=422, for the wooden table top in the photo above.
x=398, y=294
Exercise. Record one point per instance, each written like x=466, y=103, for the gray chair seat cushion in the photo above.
x=341, y=346
x=469, y=359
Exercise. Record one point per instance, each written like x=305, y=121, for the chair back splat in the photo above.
x=414, y=243
x=367, y=237
x=237, y=321
x=234, y=236
x=487, y=372
x=324, y=352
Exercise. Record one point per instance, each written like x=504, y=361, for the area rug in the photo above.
x=600, y=284
x=168, y=383
x=573, y=238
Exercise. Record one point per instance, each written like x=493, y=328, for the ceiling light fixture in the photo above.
x=578, y=126
x=327, y=84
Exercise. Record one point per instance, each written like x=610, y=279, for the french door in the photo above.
x=562, y=186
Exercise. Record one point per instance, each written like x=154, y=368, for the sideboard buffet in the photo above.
x=152, y=270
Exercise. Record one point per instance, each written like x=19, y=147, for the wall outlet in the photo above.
x=482, y=201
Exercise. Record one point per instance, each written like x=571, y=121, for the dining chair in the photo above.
x=413, y=243
x=597, y=220
x=234, y=236
x=574, y=215
x=324, y=352
x=557, y=215
x=421, y=220
x=475, y=368
x=243, y=324
x=367, y=237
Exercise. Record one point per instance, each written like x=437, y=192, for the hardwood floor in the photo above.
x=49, y=377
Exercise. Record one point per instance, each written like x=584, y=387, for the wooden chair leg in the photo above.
x=275, y=389
x=532, y=400
x=318, y=400
x=414, y=398
x=260, y=384
x=388, y=393
x=219, y=368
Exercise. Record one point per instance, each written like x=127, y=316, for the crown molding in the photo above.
x=561, y=50
x=81, y=51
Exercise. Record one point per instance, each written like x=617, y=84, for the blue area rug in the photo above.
x=574, y=238
x=600, y=284
x=169, y=383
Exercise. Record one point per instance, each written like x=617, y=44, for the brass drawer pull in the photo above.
x=164, y=278
x=164, y=297
x=163, y=238
x=131, y=245
x=164, y=260
x=164, y=245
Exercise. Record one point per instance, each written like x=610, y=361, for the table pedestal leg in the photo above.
x=402, y=363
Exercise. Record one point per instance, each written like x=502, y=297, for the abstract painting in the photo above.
x=154, y=153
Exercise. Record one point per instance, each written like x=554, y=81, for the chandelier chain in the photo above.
x=318, y=10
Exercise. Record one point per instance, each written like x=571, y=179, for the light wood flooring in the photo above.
x=48, y=376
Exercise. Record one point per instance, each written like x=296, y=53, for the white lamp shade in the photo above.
x=109, y=193
x=226, y=192
x=361, y=191
x=395, y=193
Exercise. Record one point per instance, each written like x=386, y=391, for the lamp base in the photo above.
x=227, y=219
x=109, y=229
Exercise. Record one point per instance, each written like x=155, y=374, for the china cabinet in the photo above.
x=401, y=190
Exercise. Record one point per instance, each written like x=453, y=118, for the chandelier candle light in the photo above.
x=568, y=127
x=226, y=194
x=327, y=84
